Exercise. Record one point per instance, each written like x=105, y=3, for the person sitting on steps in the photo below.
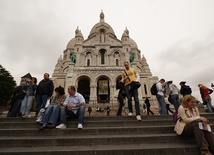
x=74, y=106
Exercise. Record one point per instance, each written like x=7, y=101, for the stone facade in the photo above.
x=94, y=64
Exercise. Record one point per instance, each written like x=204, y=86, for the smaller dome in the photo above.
x=79, y=34
x=132, y=43
x=71, y=43
x=125, y=33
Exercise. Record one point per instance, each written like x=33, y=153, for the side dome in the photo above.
x=133, y=43
x=71, y=43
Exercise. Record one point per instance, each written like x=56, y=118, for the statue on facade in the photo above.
x=73, y=57
x=102, y=38
x=131, y=56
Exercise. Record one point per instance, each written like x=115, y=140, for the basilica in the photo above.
x=93, y=65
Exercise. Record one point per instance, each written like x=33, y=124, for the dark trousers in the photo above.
x=121, y=104
x=15, y=108
x=168, y=109
x=203, y=138
x=130, y=94
x=149, y=111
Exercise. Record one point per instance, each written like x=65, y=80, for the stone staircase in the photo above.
x=101, y=135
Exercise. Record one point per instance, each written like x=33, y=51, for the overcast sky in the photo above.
x=175, y=36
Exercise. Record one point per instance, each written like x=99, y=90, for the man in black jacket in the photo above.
x=185, y=90
x=43, y=92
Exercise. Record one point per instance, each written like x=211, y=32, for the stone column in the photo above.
x=69, y=75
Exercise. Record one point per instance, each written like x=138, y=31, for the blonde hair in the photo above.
x=186, y=99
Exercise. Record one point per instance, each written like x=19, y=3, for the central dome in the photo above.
x=102, y=26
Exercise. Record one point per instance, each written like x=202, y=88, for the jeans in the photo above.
x=41, y=101
x=65, y=111
x=51, y=115
x=175, y=101
x=161, y=105
x=133, y=93
x=26, y=104
x=209, y=105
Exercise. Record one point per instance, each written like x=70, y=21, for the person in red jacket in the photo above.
x=205, y=95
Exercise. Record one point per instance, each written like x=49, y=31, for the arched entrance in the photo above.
x=103, y=90
x=84, y=88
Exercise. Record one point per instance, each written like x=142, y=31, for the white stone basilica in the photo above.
x=93, y=65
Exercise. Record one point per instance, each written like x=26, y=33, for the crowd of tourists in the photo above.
x=52, y=111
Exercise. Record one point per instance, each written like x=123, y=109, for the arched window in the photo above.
x=88, y=62
x=102, y=53
x=117, y=62
x=145, y=89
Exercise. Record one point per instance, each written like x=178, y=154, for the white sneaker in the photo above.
x=61, y=126
x=130, y=114
x=79, y=126
x=28, y=116
x=138, y=117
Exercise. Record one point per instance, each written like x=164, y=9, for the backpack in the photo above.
x=154, y=89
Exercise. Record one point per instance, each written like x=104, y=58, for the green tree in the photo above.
x=7, y=86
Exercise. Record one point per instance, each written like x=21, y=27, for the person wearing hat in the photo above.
x=185, y=90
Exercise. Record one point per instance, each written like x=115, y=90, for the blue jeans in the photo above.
x=129, y=95
x=209, y=104
x=175, y=101
x=65, y=111
x=26, y=104
x=161, y=105
x=51, y=115
x=41, y=101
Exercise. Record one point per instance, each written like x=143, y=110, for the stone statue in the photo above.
x=131, y=56
x=102, y=37
x=73, y=57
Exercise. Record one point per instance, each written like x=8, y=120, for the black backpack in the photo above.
x=154, y=90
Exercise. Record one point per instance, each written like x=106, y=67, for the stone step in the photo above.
x=98, y=123
x=128, y=149
x=90, y=131
x=104, y=118
x=101, y=135
x=82, y=140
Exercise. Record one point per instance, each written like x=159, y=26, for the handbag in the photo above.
x=133, y=84
x=116, y=93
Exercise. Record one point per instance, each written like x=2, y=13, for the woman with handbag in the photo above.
x=190, y=123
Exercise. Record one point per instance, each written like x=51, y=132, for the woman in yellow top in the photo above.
x=188, y=124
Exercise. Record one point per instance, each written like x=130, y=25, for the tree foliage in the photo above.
x=7, y=85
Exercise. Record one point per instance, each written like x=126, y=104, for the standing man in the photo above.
x=74, y=106
x=185, y=90
x=160, y=97
x=44, y=91
x=129, y=75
